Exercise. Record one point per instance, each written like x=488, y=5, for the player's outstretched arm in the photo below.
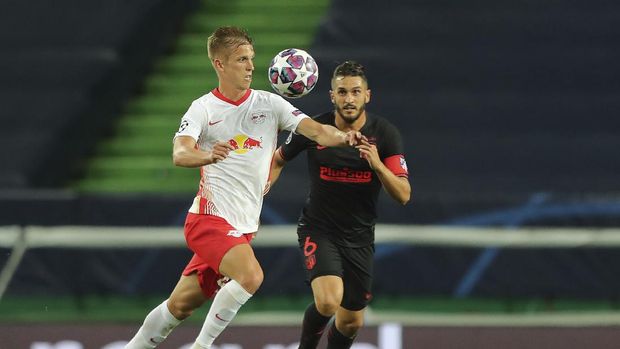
x=327, y=135
x=186, y=154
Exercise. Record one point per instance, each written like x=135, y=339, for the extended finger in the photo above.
x=221, y=150
x=222, y=153
x=351, y=139
x=364, y=153
x=224, y=145
x=218, y=157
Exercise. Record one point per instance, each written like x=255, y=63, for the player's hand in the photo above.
x=354, y=138
x=369, y=152
x=220, y=151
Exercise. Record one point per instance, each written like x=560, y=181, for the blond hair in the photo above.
x=225, y=39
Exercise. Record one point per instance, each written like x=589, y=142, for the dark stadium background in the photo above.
x=508, y=111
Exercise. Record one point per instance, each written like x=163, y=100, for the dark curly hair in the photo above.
x=350, y=68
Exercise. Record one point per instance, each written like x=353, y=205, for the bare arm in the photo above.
x=328, y=135
x=277, y=164
x=186, y=154
x=397, y=187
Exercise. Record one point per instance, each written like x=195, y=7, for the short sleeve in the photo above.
x=294, y=144
x=392, y=143
x=192, y=122
x=288, y=115
x=392, y=152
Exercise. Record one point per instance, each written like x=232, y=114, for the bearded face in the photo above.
x=350, y=112
x=349, y=96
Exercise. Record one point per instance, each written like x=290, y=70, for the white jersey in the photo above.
x=233, y=188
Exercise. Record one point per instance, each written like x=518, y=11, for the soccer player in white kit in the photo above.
x=231, y=134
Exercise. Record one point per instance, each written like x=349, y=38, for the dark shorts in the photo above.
x=353, y=264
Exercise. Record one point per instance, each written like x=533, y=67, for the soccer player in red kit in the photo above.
x=229, y=133
x=336, y=227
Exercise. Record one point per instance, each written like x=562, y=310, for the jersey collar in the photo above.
x=216, y=92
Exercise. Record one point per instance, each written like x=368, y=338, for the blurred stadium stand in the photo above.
x=498, y=101
x=67, y=68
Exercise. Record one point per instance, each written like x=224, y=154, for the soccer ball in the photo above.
x=293, y=73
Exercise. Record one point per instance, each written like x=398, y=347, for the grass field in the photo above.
x=124, y=309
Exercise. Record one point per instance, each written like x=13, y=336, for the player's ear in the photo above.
x=217, y=64
x=367, y=95
x=331, y=96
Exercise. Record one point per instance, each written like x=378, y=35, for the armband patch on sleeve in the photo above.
x=397, y=164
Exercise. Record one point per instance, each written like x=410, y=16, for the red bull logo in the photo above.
x=243, y=144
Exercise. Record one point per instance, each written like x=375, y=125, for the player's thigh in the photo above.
x=327, y=291
x=240, y=264
x=323, y=265
x=186, y=296
x=321, y=255
x=211, y=237
x=357, y=277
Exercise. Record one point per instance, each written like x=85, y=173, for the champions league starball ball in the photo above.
x=293, y=73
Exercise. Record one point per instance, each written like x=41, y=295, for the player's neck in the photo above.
x=234, y=94
x=357, y=125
